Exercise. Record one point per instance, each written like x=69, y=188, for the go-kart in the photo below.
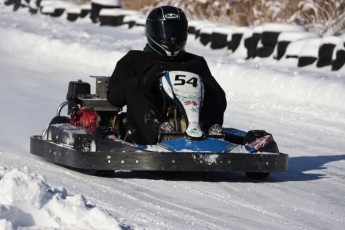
x=94, y=135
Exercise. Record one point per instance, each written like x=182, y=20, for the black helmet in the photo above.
x=166, y=30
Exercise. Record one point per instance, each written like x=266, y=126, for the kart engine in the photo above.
x=85, y=117
x=89, y=110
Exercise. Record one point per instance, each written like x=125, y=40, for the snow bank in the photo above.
x=26, y=200
x=301, y=89
x=294, y=36
x=281, y=27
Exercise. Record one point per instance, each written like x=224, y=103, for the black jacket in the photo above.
x=135, y=64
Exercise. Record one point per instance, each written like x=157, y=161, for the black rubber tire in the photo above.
x=205, y=38
x=269, y=38
x=191, y=29
x=235, y=41
x=326, y=51
x=84, y=13
x=340, y=54
x=57, y=13
x=337, y=64
x=257, y=175
x=104, y=173
x=111, y=20
x=218, y=40
x=304, y=61
x=251, y=43
x=264, y=51
x=321, y=62
x=72, y=17
x=281, y=48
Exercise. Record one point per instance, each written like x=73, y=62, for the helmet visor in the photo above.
x=170, y=31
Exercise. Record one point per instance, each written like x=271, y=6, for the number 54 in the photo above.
x=180, y=80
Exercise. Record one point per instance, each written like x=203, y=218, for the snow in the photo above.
x=73, y=10
x=107, y=2
x=302, y=107
x=86, y=7
x=280, y=27
x=310, y=48
x=294, y=36
x=116, y=12
x=27, y=200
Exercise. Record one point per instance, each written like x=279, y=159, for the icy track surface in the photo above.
x=303, y=108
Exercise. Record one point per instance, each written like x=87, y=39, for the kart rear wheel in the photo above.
x=257, y=175
x=104, y=173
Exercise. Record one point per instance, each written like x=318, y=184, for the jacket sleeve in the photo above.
x=123, y=80
x=213, y=91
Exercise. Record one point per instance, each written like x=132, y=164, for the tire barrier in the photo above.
x=53, y=8
x=251, y=43
x=234, y=42
x=218, y=40
x=192, y=26
x=205, y=35
x=113, y=17
x=219, y=37
x=206, y=27
x=285, y=38
x=338, y=58
x=130, y=20
x=269, y=37
x=326, y=49
x=282, y=42
x=98, y=5
x=309, y=52
x=15, y=3
x=281, y=49
x=293, y=50
x=245, y=46
x=73, y=14
x=338, y=64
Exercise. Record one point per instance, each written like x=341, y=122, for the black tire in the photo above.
x=33, y=11
x=251, y=44
x=264, y=51
x=218, y=40
x=257, y=175
x=235, y=41
x=191, y=29
x=281, y=48
x=205, y=38
x=96, y=9
x=104, y=173
x=340, y=55
x=84, y=13
x=72, y=17
x=337, y=64
x=326, y=51
x=304, y=61
x=57, y=13
x=111, y=20
x=323, y=62
x=269, y=38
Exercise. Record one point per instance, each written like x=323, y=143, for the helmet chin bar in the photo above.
x=186, y=89
x=172, y=54
x=161, y=49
